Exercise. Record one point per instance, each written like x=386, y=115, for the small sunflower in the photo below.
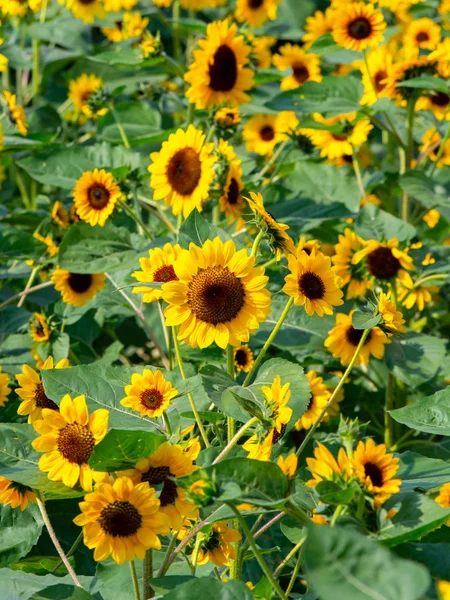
x=60, y=215
x=52, y=248
x=317, y=25
x=343, y=340
x=386, y=261
x=77, y=288
x=277, y=397
x=256, y=12
x=219, y=73
x=263, y=132
x=121, y=520
x=324, y=467
x=302, y=66
x=376, y=470
x=95, y=195
x=437, y=102
x=220, y=296
x=354, y=275
x=444, y=586
x=149, y=393
x=422, y=33
x=5, y=390
x=243, y=359
x=227, y=117
x=419, y=296
x=320, y=395
x=288, y=465
x=182, y=171
x=216, y=545
x=80, y=91
x=431, y=147
x=39, y=329
x=132, y=25
x=231, y=201
x=32, y=391
x=68, y=438
x=378, y=76
x=278, y=239
x=259, y=449
x=336, y=145
x=443, y=498
x=358, y=26
x=87, y=10
x=157, y=268
x=392, y=318
x=261, y=45
x=15, y=494
x=16, y=113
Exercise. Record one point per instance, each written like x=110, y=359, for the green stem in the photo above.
x=441, y=150
x=148, y=574
x=167, y=424
x=27, y=286
x=191, y=398
x=35, y=74
x=288, y=557
x=231, y=424
x=156, y=210
x=123, y=135
x=190, y=114
x=335, y=393
x=389, y=405
x=71, y=551
x=35, y=288
x=211, y=131
x=336, y=514
x=134, y=579
x=22, y=188
x=135, y=218
x=176, y=30
x=256, y=243
x=170, y=547
x=357, y=170
x=274, y=158
x=262, y=563
x=269, y=341
x=234, y=440
x=408, y=154
x=194, y=556
x=294, y=574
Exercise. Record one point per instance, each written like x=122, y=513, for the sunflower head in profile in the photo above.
x=68, y=438
x=278, y=239
x=343, y=340
x=87, y=10
x=157, y=268
x=422, y=33
x=77, y=288
x=81, y=90
x=358, y=26
x=392, y=319
x=419, y=296
x=378, y=76
x=354, y=275
x=16, y=113
x=337, y=144
x=216, y=545
x=386, y=261
x=219, y=73
x=277, y=397
x=313, y=283
x=220, y=295
x=431, y=147
x=60, y=215
x=229, y=183
x=256, y=12
x=32, y=392
x=227, y=117
x=443, y=499
x=320, y=395
x=149, y=393
x=121, y=520
x=376, y=470
x=261, y=53
x=15, y=494
x=317, y=25
x=300, y=65
x=95, y=195
x=437, y=102
x=5, y=390
x=182, y=171
x=39, y=328
x=324, y=467
x=243, y=359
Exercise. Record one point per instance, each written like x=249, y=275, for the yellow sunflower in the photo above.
x=437, y=102
x=259, y=449
x=81, y=89
x=77, y=288
x=386, y=261
x=317, y=25
x=87, y=10
x=182, y=171
x=379, y=79
x=157, y=268
x=431, y=146
x=219, y=73
x=277, y=397
x=231, y=201
x=335, y=145
x=443, y=498
x=288, y=465
x=302, y=66
x=149, y=393
x=263, y=132
x=39, y=329
x=324, y=467
x=256, y=12
x=243, y=359
x=419, y=296
x=376, y=470
x=16, y=113
x=278, y=239
x=121, y=520
x=68, y=438
x=220, y=296
x=116, y=5
x=5, y=390
x=313, y=283
x=349, y=243
x=320, y=395
x=15, y=494
x=392, y=318
x=227, y=116
x=216, y=545
x=60, y=215
x=132, y=25
x=432, y=218
x=32, y=391
x=422, y=33
x=444, y=586
x=261, y=46
x=358, y=26
x=343, y=340
x=95, y=195
x=52, y=248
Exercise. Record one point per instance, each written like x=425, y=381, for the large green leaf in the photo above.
x=436, y=557
x=372, y=222
x=122, y=449
x=415, y=357
x=17, y=585
x=19, y=245
x=197, y=229
x=62, y=591
x=208, y=587
x=13, y=319
x=342, y=564
x=431, y=414
x=137, y=119
x=422, y=188
x=19, y=531
x=418, y=471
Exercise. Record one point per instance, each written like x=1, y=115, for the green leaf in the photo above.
x=41, y=565
x=62, y=31
x=13, y=319
x=209, y=587
x=418, y=471
x=415, y=357
x=19, y=532
x=139, y=121
x=436, y=557
x=430, y=415
x=197, y=229
x=19, y=245
x=332, y=493
x=120, y=450
x=372, y=222
x=426, y=82
x=292, y=530
x=422, y=188
x=17, y=585
x=130, y=57
x=215, y=382
x=62, y=591
x=344, y=565
x=362, y=320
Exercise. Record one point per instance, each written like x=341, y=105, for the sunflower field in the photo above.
x=224, y=299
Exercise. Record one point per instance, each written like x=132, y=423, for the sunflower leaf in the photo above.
x=121, y=449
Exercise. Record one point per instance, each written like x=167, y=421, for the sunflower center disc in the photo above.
x=164, y=274
x=76, y=442
x=169, y=493
x=311, y=286
x=156, y=475
x=41, y=399
x=267, y=133
x=382, y=263
x=422, y=37
x=184, y=171
x=79, y=283
x=360, y=28
x=375, y=474
x=379, y=77
x=277, y=435
x=120, y=519
x=440, y=99
x=241, y=358
x=98, y=196
x=233, y=192
x=254, y=4
x=223, y=71
x=354, y=336
x=300, y=73
x=152, y=398
x=216, y=295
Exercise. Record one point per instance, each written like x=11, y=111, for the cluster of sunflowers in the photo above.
x=224, y=233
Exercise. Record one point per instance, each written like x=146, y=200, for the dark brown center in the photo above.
x=233, y=192
x=354, y=336
x=339, y=137
x=120, y=519
x=378, y=78
x=360, y=28
x=382, y=263
x=300, y=72
x=440, y=99
x=75, y=442
x=277, y=435
x=184, y=171
x=152, y=398
x=98, y=196
x=375, y=474
x=164, y=274
x=169, y=493
x=241, y=357
x=422, y=36
x=267, y=133
x=255, y=4
x=79, y=283
x=156, y=475
x=311, y=286
x=223, y=71
x=41, y=399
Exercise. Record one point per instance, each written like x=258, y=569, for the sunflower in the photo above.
x=278, y=239
x=277, y=397
x=32, y=391
x=182, y=171
x=443, y=498
x=431, y=146
x=317, y=25
x=302, y=66
x=243, y=359
x=15, y=494
x=419, y=296
x=437, y=102
x=87, y=10
x=95, y=195
x=343, y=340
x=116, y=5
x=392, y=318
x=39, y=329
x=263, y=132
x=60, y=215
x=81, y=89
x=335, y=145
x=219, y=73
x=5, y=390
x=216, y=545
x=354, y=275
x=256, y=12
x=378, y=76
x=320, y=395
x=77, y=288
x=259, y=449
x=324, y=467
x=122, y=520
x=288, y=465
x=220, y=296
x=358, y=26
x=157, y=268
x=68, y=438
x=422, y=33
x=376, y=470
x=386, y=261
x=16, y=113
x=149, y=393
x=52, y=248
x=227, y=117
x=444, y=586
x=231, y=201
x=261, y=45
x=161, y=468
x=132, y=25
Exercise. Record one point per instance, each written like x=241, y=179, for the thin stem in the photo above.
x=231, y=424
x=441, y=150
x=167, y=423
x=336, y=514
x=52, y=534
x=190, y=114
x=294, y=574
x=123, y=135
x=138, y=211
x=358, y=176
x=269, y=341
x=210, y=134
x=148, y=574
x=389, y=405
x=335, y=393
x=25, y=292
x=256, y=243
x=194, y=556
x=138, y=221
x=191, y=398
x=134, y=579
x=288, y=557
x=73, y=547
x=274, y=158
x=262, y=563
x=408, y=153
x=159, y=214
x=35, y=75
x=22, y=188
x=28, y=286
x=176, y=30
x=234, y=440
x=230, y=361
x=170, y=547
